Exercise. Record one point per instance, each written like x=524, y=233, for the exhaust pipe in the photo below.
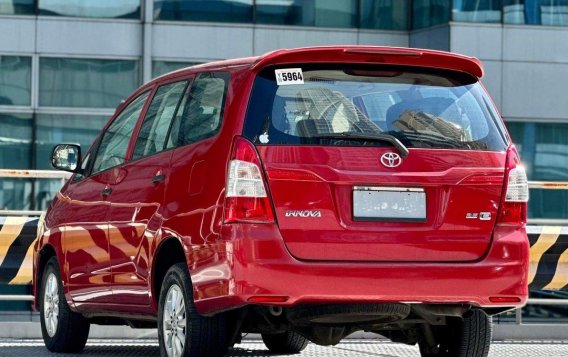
x=275, y=310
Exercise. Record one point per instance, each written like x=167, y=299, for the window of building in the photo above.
x=554, y=12
x=322, y=13
x=123, y=9
x=476, y=10
x=163, y=67
x=201, y=110
x=15, y=153
x=15, y=80
x=536, y=12
x=112, y=148
x=80, y=82
x=154, y=129
x=17, y=7
x=280, y=13
x=15, y=193
x=15, y=141
x=384, y=14
x=204, y=10
x=426, y=13
x=544, y=151
x=53, y=129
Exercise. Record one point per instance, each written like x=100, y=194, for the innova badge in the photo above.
x=391, y=159
x=304, y=214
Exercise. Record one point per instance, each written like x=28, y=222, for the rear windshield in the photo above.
x=330, y=104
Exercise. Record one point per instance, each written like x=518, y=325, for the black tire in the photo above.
x=204, y=336
x=72, y=329
x=467, y=337
x=288, y=342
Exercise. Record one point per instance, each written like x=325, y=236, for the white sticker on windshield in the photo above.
x=289, y=76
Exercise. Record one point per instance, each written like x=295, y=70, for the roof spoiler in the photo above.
x=374, y=54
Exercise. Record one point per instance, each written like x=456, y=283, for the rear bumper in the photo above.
x=258, y=264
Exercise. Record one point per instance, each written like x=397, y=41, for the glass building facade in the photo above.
x=90, y=83
x=366, y=14
x=15, y=80
x=123, y=9
x=162, y=67
x=66, y=87
x=371, y=14
x=544, y=151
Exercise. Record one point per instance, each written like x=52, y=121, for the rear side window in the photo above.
x=154, y=129
x=112, y=149
x=423, y=108
x=201, y=110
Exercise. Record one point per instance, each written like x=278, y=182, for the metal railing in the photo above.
x=31, y=174
x=548, y=185
x=545, y=185
x=535, y=301
x=16, y=297
x=54, y=174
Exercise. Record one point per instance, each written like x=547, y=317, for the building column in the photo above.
x=147, y=21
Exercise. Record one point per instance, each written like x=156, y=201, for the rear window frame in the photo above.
x=254, y=130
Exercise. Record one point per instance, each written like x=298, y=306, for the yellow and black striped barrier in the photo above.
x=548, y=268
x=17, y=237
x=548, y=261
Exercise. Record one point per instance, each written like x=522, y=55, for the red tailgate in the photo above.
x=462, y=190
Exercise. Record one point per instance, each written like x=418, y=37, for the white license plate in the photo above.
x=389, y=204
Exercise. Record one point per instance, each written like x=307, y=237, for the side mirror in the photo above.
x=66, y=157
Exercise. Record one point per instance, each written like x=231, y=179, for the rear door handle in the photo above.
x=158, y=178
x=106, y=191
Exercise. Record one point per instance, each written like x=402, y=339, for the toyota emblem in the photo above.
x=391, y=159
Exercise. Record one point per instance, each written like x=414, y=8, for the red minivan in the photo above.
x=305, y=194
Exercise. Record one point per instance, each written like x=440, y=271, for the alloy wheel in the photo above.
x=51, y=305
x=175, y=322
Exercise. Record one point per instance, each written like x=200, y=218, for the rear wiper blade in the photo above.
x=433, y=139
x=347, y=135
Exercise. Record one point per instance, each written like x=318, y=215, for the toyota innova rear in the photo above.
x=377, y=179
x=330, y=190
x=388, y=164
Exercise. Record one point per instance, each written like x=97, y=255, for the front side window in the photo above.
x=423, y=108
x=200, y=113
x=154, y=129
x=113, y=146
x=85, y=161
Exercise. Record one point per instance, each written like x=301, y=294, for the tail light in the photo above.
x=246, y=196
x=517, y=186
x=514, y=205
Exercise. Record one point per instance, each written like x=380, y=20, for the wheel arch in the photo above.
x=46, y=252
x=169, y=252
